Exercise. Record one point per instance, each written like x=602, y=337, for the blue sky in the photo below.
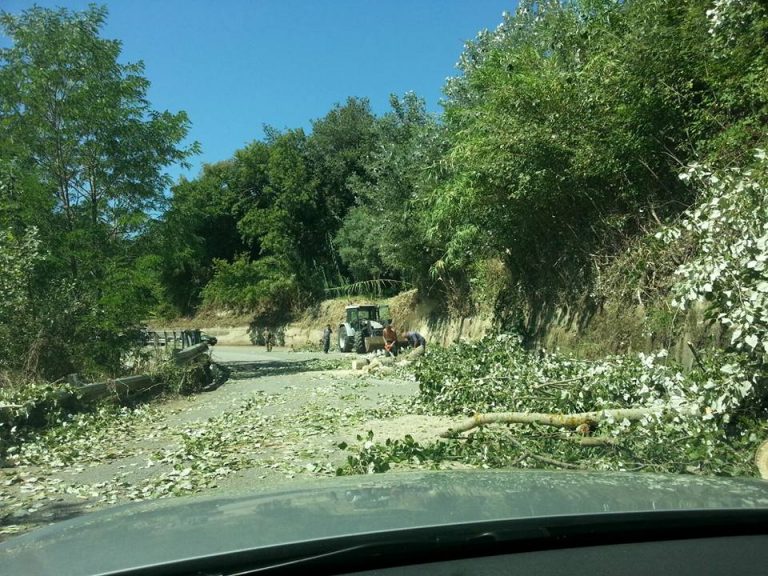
x=235, y=65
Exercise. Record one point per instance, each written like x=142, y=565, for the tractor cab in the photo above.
x=360, y=316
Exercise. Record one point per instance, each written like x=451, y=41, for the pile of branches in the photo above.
x=639, y=411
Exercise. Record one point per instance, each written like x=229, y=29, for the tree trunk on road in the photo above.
x=558, y=420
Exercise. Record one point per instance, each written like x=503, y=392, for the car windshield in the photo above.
x=559, y=209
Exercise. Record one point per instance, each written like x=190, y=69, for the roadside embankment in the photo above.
x=409, y=312
x=586, y=331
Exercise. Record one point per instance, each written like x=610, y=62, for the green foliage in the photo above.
x=262, y=286
x=30, y=406
x=560, y=145
x=69, y=101
x=359, y=244
x=18, y=258
x=82, y=159
x=385, y=235
x=376, y=458
x=728, y=268
x=497, y=374
x=485, y=448
x=338, y=152
x=569, y=124
x=255, y=233
x=187, y=379
x=706, y=420
x=199, y=227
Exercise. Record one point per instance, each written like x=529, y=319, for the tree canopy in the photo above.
x=83, y=159
x=561, y=142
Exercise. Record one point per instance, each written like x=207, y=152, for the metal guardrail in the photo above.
x=119, y=388
x=127, y=384
x=131, y=384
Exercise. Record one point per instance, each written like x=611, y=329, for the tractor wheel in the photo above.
x=360, y=342
x=345, y=342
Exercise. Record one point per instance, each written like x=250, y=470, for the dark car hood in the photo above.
x=168, y=530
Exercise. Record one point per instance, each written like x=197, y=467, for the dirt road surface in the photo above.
x=280, y=417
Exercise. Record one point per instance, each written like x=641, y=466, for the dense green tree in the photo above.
x=296, y=190
x=200, y=226
x=82, y=157
x=384, y=236
x=339, y=151
x=265, y=287
x=569, y=125
x=83, y=119
x=279, y=218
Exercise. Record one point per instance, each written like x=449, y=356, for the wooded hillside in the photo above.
x=552, y=178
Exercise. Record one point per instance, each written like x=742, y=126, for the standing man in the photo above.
x=268, y=339
x=327, y=338
x=415, y=340
x=390, y=339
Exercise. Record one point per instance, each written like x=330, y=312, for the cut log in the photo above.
x=415, y=353
x=372, y=365
x=558, y=420
x=597, y=441
x=360, y=363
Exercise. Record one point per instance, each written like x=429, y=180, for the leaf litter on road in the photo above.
x=156, y=451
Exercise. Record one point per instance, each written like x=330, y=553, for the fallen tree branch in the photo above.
x=558, y=420
x=11, y=406
x=696, y=357
x=558, y=382
x=538, y=386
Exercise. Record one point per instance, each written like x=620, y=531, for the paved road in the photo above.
x=228, y=354
x=280, y=417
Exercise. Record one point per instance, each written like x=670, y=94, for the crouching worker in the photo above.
x=390, y=339
x=415, y=340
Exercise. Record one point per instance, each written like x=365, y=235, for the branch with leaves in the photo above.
x=590, y=419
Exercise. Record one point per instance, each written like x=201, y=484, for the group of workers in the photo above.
x=391, y=348
x=414, y=339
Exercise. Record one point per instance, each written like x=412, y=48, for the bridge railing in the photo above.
x=177, y=339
